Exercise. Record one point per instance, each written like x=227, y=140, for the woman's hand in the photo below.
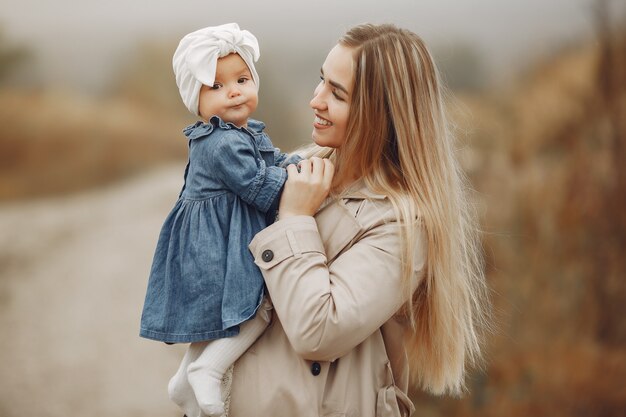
x=306, y=189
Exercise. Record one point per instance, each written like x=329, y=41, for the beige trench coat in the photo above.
x=334, y=347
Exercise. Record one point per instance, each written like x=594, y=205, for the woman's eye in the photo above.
x=337, y=96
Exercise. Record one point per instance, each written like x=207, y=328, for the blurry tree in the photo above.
x=550, y=169
x=11, y=57
x=462, y=67
x=60, y=139
x=146, y=77
x=287, y=86
x=610, y=223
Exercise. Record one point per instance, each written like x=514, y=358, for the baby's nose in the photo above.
x=234, y=92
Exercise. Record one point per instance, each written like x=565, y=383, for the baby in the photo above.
x=204, y=288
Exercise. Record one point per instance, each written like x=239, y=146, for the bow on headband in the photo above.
x=195, y=59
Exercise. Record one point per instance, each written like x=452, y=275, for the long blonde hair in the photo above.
x=399, y=142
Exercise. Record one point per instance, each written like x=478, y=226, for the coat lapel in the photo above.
x=337, y=228
x=337, y=225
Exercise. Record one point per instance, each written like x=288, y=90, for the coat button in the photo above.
x=267, y=255
x=316, y=368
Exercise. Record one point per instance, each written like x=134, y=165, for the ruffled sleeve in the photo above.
x=234, y=159
x=283, y=159
x=198, y=130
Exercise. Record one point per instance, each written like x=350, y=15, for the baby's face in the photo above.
x=233, y=96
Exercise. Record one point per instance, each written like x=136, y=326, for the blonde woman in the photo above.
x=373, y=266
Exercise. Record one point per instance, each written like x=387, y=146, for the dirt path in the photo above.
x=73, y=273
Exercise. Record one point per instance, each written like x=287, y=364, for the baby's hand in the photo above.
x=306, y=188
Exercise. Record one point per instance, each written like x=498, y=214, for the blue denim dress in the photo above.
x=203, y=281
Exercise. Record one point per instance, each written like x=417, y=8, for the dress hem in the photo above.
x=187, y=338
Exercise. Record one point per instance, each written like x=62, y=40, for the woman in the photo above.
x=381, y=283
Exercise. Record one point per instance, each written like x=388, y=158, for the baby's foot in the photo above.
x=181, y=393
x=207, y=389
x=213, y=410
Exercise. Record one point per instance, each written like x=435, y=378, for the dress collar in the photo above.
x=201, y=129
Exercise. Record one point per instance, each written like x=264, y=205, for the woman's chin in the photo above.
x=320, y=140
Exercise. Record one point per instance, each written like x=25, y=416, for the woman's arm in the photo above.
x=327, y=310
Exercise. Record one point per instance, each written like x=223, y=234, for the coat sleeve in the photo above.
x=328, y=310
x=235, y=163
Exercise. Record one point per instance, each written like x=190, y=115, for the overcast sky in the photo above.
x=74, y=40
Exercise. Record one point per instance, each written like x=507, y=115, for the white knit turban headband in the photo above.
x=195, y=59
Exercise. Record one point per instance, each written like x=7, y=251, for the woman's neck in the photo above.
x=344, y=183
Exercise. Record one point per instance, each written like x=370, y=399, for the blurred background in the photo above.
x=92, y=157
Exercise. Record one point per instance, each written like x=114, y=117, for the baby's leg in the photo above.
x=205, y=373
x=179, y=390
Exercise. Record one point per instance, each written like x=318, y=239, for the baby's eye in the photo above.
x=216, y=86
x=242, y=80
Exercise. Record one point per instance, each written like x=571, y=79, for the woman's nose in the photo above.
x=317, y=102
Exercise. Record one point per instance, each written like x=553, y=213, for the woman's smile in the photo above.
x=321, y=123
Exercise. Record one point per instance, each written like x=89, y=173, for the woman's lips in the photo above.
x=321, y=123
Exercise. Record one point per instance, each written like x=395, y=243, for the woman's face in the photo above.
x=331, y=98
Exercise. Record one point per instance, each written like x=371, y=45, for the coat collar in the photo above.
x=338, y=226
x=359, y=191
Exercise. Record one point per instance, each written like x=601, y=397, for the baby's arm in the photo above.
x=233, y=158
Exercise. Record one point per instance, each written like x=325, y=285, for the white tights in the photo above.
x=196, y=386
